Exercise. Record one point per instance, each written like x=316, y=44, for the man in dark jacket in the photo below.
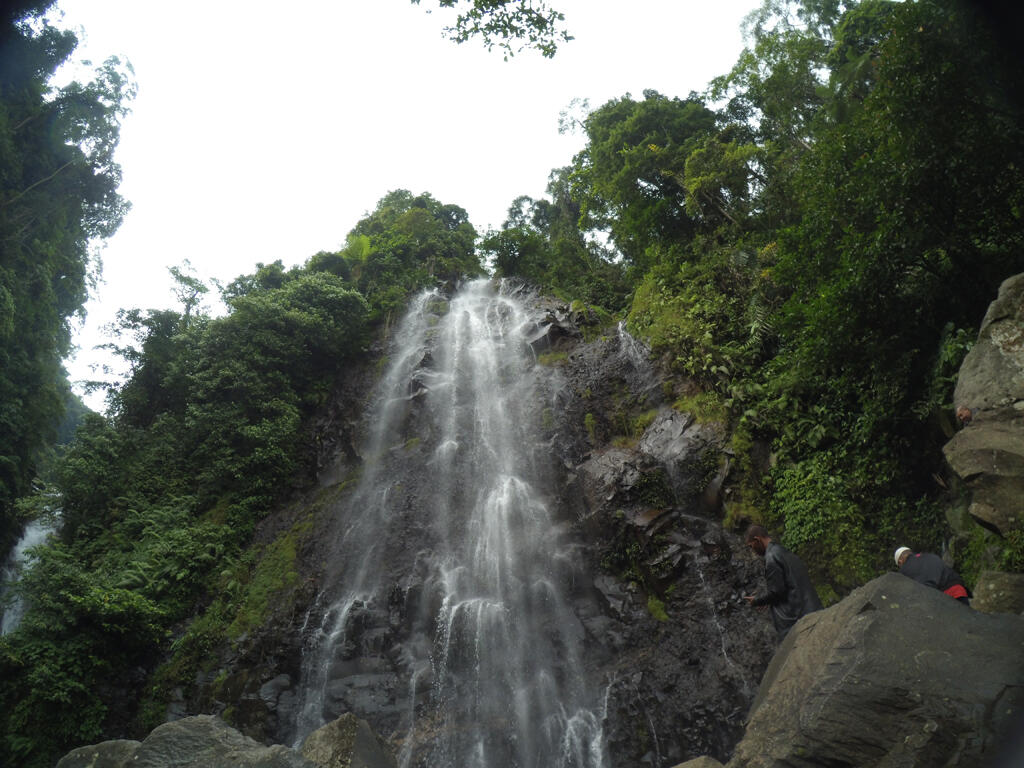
x=928, y=569
x=790, y=593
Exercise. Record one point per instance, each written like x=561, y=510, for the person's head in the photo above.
x=900, y=556
x=757, y=539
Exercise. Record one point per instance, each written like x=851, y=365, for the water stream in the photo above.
x=12, y=608
x=467, y=644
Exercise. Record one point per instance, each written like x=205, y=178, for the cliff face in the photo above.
x=988, y=453
x=667, y=638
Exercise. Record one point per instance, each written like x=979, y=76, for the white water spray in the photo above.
x=455, y=463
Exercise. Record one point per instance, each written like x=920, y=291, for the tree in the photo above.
x=629, y=179
x=58, y=192
x=408, y=242
x=502, y=23
x=541, y=241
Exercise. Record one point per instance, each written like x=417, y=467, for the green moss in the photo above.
x=643, y=421
x=705, y=407
x=656, y=608
x=191, y=654
x=591, y=425
x=827, y=594
x=274, y=573
x=438, y=306
x=552, y=358
x=655, y=490
x=987, y=551
x=547, y=418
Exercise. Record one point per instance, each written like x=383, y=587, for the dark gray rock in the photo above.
x=988, y=454
x=107, y=754
x=997, y=592
x=896, y=674
x=688, y=450
x=554, y=337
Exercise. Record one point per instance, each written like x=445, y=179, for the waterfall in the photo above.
x=10, y=613
x=446, y=604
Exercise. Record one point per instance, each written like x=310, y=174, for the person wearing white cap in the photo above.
x=928, y=569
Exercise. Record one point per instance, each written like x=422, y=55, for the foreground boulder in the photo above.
x=205, y=741
x=896, y=674
x=348, y=742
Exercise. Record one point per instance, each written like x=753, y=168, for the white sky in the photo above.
x=266, y=132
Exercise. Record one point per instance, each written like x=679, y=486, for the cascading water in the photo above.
x=469, y=647
x=11, y=612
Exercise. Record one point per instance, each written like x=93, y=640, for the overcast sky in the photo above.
x=265, y=132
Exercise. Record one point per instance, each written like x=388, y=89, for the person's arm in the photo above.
x=776, y=580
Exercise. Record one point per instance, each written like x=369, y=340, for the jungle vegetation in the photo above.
x=810, y=244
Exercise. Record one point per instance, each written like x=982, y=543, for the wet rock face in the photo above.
x=668, y=635
x=668, y=640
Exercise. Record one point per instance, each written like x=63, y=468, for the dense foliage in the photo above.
x=816, y=255
x=160, y=498
x=812, y=256
x=58, y=191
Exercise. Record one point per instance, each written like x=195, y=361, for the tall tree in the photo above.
x=58, y=193
x=629, y=178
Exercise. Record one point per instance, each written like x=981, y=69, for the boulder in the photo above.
x=107, y=754
x=896, y=674
x=701, y=762
x=992, y=374
x=988, y=453
x=205, y=741
x=347, y=742
x=997, y=592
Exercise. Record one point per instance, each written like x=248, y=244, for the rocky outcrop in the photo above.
x=992, y=374
x=894, y=674
x=997, y=592
x=205, y=741
x=988, y=453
